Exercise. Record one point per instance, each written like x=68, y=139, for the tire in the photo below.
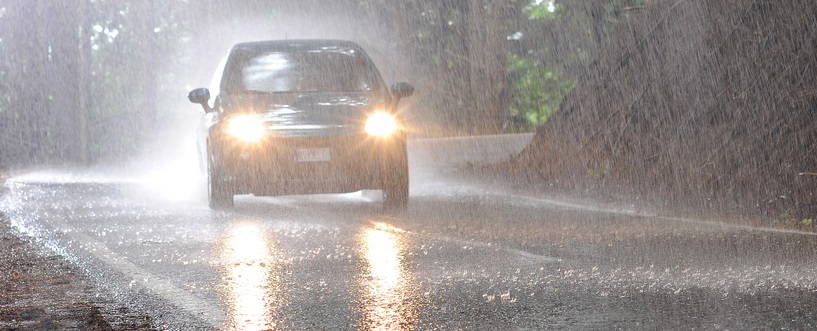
x=219, y=195
x=396, y=180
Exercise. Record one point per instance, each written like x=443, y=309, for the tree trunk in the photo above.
x=84, y=82
x=147, y=54
x=67, y=36
x=487, y=63
x=27, y=55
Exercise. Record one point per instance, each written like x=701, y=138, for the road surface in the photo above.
x=464, y=256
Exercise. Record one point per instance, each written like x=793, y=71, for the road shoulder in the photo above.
x=43, y=291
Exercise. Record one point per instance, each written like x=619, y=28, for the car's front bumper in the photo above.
x=284, y=166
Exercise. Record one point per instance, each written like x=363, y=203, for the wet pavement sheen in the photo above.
x=462, y=257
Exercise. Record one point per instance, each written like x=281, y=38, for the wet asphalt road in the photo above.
x=462, y=257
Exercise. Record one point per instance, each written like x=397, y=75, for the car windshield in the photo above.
x=325, y=69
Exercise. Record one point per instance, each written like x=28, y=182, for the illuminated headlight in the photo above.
x=381, y=124
x=247, y=128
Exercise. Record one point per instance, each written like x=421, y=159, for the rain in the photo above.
x=415, y=165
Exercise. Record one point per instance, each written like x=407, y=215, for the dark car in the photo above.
x=302, y=117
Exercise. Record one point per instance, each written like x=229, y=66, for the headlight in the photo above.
x=381, y=124
x=247, y=128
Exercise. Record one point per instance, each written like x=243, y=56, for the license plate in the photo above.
x=313, y=155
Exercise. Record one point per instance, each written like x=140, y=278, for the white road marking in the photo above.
x=633, y=213
x=210, y=314
x=464, y=242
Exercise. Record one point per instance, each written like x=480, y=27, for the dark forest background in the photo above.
x=91, y=80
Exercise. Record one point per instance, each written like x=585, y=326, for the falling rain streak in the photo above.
x=553, y=147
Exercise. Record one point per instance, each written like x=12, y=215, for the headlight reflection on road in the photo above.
x=387, y=307
x=251, y=279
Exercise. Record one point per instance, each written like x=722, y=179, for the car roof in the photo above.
x=295, y=44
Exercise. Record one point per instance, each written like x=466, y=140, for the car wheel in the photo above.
x=219, y=194
x=396, y=181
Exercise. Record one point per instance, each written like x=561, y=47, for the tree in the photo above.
x=68, y=63
x=552, y=49
x=487, y=60
x=458, y=50
x=26, y=55
x=87, y=79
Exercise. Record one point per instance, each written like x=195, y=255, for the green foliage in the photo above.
x=131, y=45
x=784, y=218
x=536, y=92
x=547, y=9
x=787, y=219
x=552, y=46
x=137, y=52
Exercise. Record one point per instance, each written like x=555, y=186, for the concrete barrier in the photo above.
x=456, y=151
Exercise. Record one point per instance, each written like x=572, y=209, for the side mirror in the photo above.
x=200, y=96
x=402, y=90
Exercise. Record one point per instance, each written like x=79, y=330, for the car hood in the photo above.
x=308, y=114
